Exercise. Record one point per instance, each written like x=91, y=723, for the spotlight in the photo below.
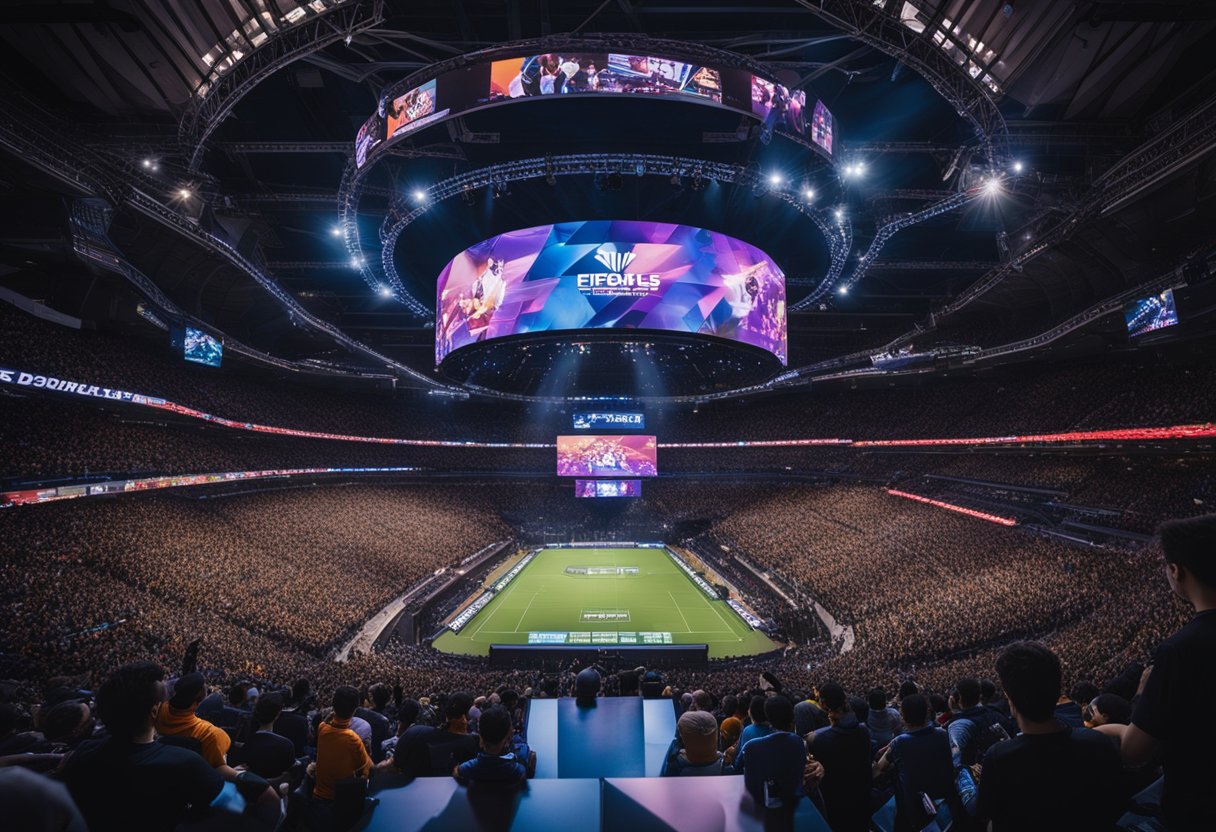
x=419, y=195
x=356, y=262
x=839, y=214
x=185, y=193
x=992, y=187
x=843, y=290
x=808, y=193
x=336, y=231
x=1018, y=166
x=775, y=179
x=150, y=164
x=385, y=292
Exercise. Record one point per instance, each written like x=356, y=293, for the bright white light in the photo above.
x=419, y=196
x=808, y=193
x=147, y=163
x=992, y=187
x=775, y=179
x=385, y=292
x=839, y=214
x=1017, y=167
x=843, y=290
x=356, y=262
x=184, y=193
x=336, y=231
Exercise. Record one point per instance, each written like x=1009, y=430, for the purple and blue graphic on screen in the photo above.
x=611, y=274
x=1152, y=313
x=607, y=456
x=607, y=488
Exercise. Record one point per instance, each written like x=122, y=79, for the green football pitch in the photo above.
x=656, y=604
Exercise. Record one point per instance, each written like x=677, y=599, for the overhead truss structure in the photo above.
x=838, y=232
x=878, y=25
x=220, y=94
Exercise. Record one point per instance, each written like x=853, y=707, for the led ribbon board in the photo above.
x=580, y=72
x=611, y=274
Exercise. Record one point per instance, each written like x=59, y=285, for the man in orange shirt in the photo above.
x=340, y=752
x=176, y=718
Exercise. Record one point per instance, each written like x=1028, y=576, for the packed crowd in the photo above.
x=1032, y=752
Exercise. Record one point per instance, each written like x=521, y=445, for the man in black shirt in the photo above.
x=1183, y=674
x=843, y=748
x=130, y=781
x=265, y=753
x=1051, y=776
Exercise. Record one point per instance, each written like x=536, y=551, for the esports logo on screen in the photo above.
x=610, y=274
x=607, y=456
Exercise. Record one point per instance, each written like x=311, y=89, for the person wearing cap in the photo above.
x=176, y=718
x=698, y=733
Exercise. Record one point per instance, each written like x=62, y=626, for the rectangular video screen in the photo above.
x=607, y=456
x=607, y=488
x=1145, y=315
x=196, y=346
x=609, y=421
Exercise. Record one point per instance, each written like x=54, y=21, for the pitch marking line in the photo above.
x=525, y=612
x=676, y=604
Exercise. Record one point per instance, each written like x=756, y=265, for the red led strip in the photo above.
x=970, y=512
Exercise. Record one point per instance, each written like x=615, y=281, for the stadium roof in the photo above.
x=238, y=118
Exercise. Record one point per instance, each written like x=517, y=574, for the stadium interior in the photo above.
x=481, y=414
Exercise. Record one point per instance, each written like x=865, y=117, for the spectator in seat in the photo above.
x=653, y=685
x=734, y=709
x=773, y=765
x=293, y=721
x=808, y=716
x=1052, y=775
x=698, y=734
x=758, y=727
x=843, y=749
x=424, y=751
x=923, y=765
x=340, y=752
x=883, y=721
x=128, y=780
x=971, y=724
x=176, y=718
x=377, y=719
x=265, y=753
x=14, y=740
x=497, y=761
x=1183, y=673
x=587, y=686
x=66, y=725
x=1070, y=709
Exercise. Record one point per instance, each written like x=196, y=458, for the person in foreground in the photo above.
x=922, y=762
x=129, y=780
x=1183, y=673
x=773, y=765
x=1052, y=775
x=698, y=733
x=496, y=762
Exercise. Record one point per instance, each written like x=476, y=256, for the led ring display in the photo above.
x=611, y=274
x=573, y=71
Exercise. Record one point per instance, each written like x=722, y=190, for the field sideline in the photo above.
x=660, y=598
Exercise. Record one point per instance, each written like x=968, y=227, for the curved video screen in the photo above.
x=587, y=72
x=611, y=274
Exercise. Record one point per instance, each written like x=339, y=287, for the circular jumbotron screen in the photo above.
x=615, y=275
